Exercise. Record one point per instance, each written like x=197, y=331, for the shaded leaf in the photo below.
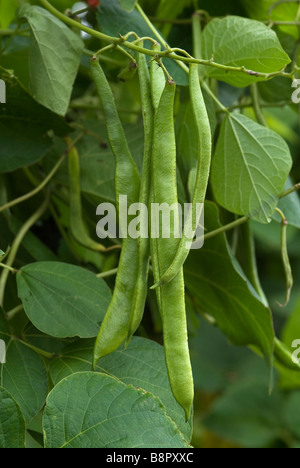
x=12, y=423
x=141, y=364
x=24, y=374
x=91, y=410
x=219, y=287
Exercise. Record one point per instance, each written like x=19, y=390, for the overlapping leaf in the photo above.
x=250, y=168
x=91, y=410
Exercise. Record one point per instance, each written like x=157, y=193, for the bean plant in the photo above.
x=109, y=340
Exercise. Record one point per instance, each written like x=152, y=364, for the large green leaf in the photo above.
x=250, y=168
x=24, y=374
x=247, y=415
x=113, y=20
x=12, y=423
x=219, y=287
x=142, y=365
x=54, y=58
x=241, y=42
x=63, y=300
x=91, y=410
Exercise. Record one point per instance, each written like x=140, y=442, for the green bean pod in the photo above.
x=204, y=139
x=143, y=244
x=115, y=327
x=172, y=295
x=78, y=229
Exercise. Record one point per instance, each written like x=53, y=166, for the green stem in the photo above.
x=197, y=35
x=182, y=60
x=256, y=106
x=12, y=313
x=13, y=270
x=226, y=228
x=17, y=243
x=108, y=274
x=37, y=190
x=293, y=189
x=39, y=351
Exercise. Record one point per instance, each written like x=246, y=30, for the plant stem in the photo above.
x=39, y=351
x=256, y=106
x=16, y=245
x=290, y=190
x=107, y=274
x=226, y=228
x=12, y=313
x=13, y=270
x=182, y=60
x=45, y=182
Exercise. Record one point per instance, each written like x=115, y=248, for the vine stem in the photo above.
x=45, y=182
x=16, y=245
x=108, y=274
x=182, y=60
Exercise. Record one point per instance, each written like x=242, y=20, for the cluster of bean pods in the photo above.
x=157, y=184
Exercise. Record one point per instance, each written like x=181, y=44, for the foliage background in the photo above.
x=232, y=405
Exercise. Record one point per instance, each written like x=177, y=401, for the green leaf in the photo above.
x=24, y=126
x=247, y=415
x=241, y=42
x=128, y=5
x=63, y=300
x=141, y=365
x=97, y=166
x=12, y=423
x=214, y=360
x=250, y=167
x=215, y=281
x=24, y=374
x=287, y=11
x=113, y=20
x=55, y=52
x=91, y=410
x=292, y=415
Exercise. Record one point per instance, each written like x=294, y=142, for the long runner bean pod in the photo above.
x=203, y=170
x=143, y=243
x=172, y=295
x=78, y=228
x=115, y=327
